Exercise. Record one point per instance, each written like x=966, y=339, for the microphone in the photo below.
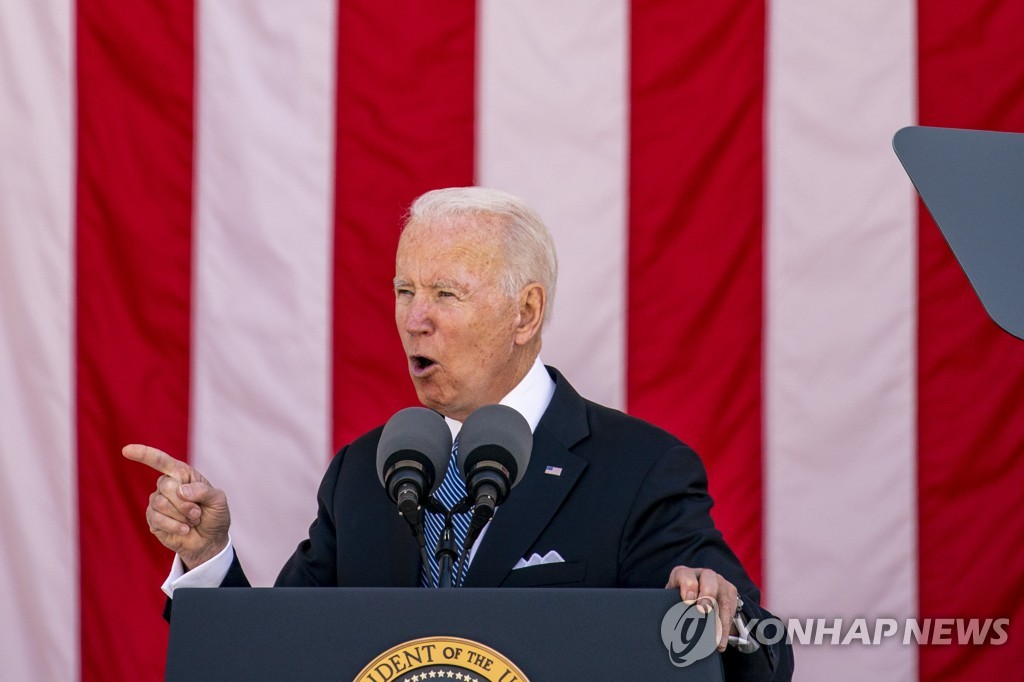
x=412, y=458
x=494, y=450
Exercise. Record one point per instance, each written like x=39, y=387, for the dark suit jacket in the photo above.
x=630, y=503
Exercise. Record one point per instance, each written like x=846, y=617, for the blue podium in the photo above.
x=417, y=635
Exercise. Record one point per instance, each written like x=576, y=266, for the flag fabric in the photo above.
x=199, y=206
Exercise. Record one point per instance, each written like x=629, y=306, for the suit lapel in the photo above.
x=533, y=503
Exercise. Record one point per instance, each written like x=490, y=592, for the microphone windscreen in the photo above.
x=494, y=430
x=420, y=434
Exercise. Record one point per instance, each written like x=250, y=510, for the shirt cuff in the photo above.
x=208, y=574
x=742, y=640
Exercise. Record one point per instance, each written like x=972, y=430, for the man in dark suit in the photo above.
x=607, y=500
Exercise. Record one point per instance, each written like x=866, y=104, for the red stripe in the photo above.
x=971, y=429
x=695, y=251
x=134, y=195
x=405, y=125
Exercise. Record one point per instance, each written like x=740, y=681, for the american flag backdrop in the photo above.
x=199, y=206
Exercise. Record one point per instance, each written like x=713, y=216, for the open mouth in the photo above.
x=421, y=364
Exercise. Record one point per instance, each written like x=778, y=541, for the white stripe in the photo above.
x=264, y=232
x=552, y=127
x=38, y=500
x=840, y=366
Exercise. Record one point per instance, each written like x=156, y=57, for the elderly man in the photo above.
x=474, y=280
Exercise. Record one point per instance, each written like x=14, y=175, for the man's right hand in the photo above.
x=186, y=513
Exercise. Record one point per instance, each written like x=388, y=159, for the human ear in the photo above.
x=532, y=303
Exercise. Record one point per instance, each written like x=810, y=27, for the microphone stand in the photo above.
x=445, y=552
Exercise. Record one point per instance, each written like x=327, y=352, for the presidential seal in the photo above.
x=440, y=659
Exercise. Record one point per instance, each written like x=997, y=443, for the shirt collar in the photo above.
x=529, y=398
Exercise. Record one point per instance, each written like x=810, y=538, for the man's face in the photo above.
x=458, y=326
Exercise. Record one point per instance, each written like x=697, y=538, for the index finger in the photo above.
x=157, y=459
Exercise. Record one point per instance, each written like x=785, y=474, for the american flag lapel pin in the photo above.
x=553, y=471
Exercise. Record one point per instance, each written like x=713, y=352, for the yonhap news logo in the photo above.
x=689, y=631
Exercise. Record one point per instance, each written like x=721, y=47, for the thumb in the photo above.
x=197, y=491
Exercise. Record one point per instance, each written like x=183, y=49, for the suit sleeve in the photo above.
x=670, y=525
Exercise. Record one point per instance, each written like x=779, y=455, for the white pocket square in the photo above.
x=551, y=557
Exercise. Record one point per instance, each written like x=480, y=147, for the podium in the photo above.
x=413, y=634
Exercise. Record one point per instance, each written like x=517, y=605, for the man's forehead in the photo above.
x=442, y=272
x=446, y=251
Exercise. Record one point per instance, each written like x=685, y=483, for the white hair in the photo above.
x=529, y=248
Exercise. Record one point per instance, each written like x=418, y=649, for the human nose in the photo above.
x=418, y=316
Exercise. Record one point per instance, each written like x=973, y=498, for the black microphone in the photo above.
x=494, y=450
x=412, y=458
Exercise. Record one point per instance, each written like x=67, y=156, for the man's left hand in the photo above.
x=695, y=584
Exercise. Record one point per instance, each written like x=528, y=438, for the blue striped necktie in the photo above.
x=449, y=493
